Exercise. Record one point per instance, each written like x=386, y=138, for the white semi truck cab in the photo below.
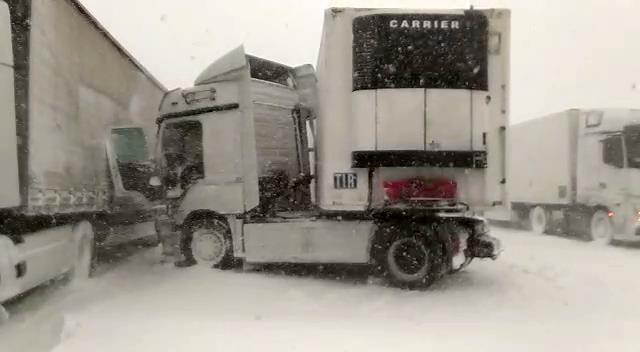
x=381, y=157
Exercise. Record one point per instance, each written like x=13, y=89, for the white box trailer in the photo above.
x=577, y=169
x=412, y=109
x=368, y=120
x=75, y=160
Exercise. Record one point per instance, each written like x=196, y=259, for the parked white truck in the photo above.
x=74, y=166
x=578, y=170
x=380, y=157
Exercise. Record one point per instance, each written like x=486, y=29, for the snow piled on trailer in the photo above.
x=544, y=293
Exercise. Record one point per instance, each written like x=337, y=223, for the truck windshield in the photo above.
x=130, y=145
x=613, y=152
x=182, y=151
x=183, y=138
x=632, y=142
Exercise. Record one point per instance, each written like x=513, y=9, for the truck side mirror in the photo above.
x=155, y=181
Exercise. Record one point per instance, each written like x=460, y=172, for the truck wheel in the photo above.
x=208, y=242
x=600, y=227
x=539, y=220
x=408, y=261
x=84, y=240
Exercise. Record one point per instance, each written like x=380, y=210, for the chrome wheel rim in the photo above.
x=208, y=246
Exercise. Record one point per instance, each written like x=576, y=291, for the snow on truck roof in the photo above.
x=83, y=10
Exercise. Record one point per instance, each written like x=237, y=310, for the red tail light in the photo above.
x=416, y=188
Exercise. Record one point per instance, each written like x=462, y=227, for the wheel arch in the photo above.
x=201, y=214
x=613, y=217
x=383, y=230
x=599, y=206
x=591, y=207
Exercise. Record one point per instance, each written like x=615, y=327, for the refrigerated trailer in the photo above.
x=379, y=158
x=75, y=162
x=577, y=170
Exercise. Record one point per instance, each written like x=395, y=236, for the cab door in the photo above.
x=602, y=174
x=131, y=168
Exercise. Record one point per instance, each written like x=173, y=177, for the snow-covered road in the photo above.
x=544, y=293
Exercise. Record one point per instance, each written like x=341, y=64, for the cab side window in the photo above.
x=612, y=151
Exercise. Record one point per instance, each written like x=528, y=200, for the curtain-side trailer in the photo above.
x=75, y=161
x=379, y=158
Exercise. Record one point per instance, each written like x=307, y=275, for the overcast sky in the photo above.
x=565, y=53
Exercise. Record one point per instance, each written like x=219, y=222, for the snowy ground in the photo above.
x=544, y=294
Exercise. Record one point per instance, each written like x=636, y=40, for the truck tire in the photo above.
x=85, y=258
x=408, y=260
x=600, y=228
x=539, y=220
x=208, y=242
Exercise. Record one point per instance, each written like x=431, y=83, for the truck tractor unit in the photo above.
x=382, y=156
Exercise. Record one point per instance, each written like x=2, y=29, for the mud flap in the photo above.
x=456, y=241
x=485, y=246
x=460, y=259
